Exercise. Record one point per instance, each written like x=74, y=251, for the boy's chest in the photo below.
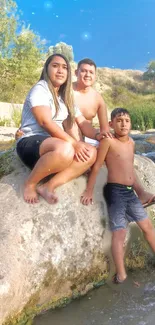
x=123, y=152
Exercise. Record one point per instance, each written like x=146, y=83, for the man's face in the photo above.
x=86, y=74
x=121, y=124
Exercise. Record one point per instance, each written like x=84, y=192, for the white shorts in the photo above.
x=93, y=142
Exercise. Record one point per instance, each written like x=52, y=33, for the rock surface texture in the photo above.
x=53, y=252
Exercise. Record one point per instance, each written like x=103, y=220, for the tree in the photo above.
x=150, y=73
x=21, y=54
x=8, y=25
x=62, y=48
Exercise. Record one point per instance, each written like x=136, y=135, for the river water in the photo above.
x=127, y=304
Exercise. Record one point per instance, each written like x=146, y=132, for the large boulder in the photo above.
x=51, y=253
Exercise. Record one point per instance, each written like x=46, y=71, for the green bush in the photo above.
x=142, y=116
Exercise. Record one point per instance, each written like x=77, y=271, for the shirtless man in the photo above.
x=87, y=99
x=91, y=103
x=122, y=203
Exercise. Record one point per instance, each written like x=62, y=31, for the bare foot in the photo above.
x=30, y=194
x=48, y=195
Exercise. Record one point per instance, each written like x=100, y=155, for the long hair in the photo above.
x=65, y=90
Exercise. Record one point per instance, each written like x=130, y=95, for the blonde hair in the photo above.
x=65, y=90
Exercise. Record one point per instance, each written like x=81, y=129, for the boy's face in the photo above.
x=121, y=124
x=86, y=74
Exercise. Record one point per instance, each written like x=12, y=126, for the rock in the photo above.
x=150, y=155
x=144, y=143
x=151, y=139
x=150, y=131
x=49, y=254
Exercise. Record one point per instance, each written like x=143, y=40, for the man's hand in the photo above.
x=81, y=151
x=87, y=197
x=19, y=133
x=103, y=134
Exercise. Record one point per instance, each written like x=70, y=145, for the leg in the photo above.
x=73, y=131
x=74, y=170
x=118, y=238
x=144, y=196
x=55, y=155
x=149, y=232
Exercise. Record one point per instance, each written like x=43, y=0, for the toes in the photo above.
x=31, y=200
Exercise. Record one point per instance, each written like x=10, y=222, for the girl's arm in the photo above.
x=87, y=196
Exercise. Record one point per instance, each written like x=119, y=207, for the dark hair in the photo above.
x=86, y=61
x=65, y=90
x=119, y=111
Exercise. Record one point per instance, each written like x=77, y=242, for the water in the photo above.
x=111, y=304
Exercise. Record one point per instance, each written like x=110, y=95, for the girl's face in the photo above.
x=57, y=71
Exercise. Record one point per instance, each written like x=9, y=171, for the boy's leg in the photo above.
x=118, y=238
x=144, y=196
x=149, y=231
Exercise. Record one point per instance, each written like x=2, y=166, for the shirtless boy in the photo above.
x=91, y=103
x=122, y=203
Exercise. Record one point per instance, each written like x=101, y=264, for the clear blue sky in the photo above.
x=113, y=33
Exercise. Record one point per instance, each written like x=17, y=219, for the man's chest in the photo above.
x=87, y=105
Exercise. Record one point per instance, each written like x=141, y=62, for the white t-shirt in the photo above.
x=40, y=95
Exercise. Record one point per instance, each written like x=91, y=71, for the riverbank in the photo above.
x=127, y=304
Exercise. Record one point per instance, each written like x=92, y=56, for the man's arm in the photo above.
x=104, y=146
x=86, y=128
x=102, y=115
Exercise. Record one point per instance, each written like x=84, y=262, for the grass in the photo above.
x=5, y=122
x=140, y=106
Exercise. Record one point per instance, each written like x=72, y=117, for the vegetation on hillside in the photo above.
x=22, y=54
x=129, y=89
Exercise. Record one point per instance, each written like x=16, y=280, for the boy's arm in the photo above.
x=86, y=197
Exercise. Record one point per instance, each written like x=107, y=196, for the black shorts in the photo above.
x=28, y=149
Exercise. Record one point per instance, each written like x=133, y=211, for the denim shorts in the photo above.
x=123, y=205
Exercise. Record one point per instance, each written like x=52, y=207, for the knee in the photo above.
x=119, y=235
x=66, y=152
x=148, y=227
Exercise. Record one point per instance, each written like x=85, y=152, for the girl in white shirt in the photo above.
x=45, y=147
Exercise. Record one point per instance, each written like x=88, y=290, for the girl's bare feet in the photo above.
x=30, y=194
x=47, y=194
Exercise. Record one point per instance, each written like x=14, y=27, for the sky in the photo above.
x=114, y=33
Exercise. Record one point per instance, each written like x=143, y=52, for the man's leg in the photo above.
x=149, y=231
x=74, y=170
x=118, y=239
x=144, y=196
